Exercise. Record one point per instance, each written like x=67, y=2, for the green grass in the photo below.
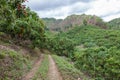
x=2, y=55
x=68, y=71
x=43, y=70
x=12, y=65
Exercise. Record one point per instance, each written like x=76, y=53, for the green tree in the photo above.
x=20, y=22
x=85, y=22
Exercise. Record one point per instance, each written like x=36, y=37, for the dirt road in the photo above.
x=32, y=72
x=53, y=73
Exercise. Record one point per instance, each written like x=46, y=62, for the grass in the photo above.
x=68, y=71
x=12, y=65
x=9, y=53
x=43, y=70
x=2, y=55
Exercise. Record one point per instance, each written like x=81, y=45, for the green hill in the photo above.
x=89, y=50
x=114, y=24
x=96, y=51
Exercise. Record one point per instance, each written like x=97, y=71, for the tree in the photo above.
x=20, y=22
x=85, y=22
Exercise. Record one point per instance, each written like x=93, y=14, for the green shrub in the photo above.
x=2, y=55
x=99, y=62
x=61, y=46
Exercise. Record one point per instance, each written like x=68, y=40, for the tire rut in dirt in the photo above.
x=53, y=73
x=32, y=72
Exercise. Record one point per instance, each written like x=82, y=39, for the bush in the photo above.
x=20, y=22
x=99, y=62
x=61, y=46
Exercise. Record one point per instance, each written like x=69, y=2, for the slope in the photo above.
x=96, y=51
x=16, y=60
x=114, y=24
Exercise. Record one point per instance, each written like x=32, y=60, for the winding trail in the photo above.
x=32, y=72
x=53, y=73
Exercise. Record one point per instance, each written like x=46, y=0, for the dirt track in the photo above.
x=32, y=72
x=53, y=73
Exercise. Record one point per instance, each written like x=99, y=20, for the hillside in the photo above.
x=114, y=24
x=25, y=63
x=79, y=47
x=91, y=44
x=51, y=23
x=25, y=51
x=72, y=21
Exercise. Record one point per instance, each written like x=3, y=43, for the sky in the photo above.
x=60, y=9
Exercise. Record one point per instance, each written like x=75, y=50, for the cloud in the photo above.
x=111, y=17
x=106, y=9
x=62, y=12
x=110, y=14
x=47, y=4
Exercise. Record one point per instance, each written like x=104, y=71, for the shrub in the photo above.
x=99, y=62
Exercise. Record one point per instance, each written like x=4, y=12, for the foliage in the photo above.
x=93, y=36
x=99, y=54
x=114, y=24
x=61, y=46
x=84, y=22
x=68, y=71
x=21, y=23
x=99, y=62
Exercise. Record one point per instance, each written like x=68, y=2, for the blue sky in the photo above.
x=106, y=9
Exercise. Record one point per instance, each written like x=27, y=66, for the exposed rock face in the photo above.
x=71, y=21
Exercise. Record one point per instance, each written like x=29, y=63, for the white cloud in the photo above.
x=62, y=12
x=106, y=9
x=108, y=18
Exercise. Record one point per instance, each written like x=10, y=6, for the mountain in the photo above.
x=72, y=21
x=114, y=24
x=52, y=23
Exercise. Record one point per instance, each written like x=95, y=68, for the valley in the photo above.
x=78, y=47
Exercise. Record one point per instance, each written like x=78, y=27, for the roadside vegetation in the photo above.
x=19, y=27
x=20, y=23
x=67, y=69
x=12, y=66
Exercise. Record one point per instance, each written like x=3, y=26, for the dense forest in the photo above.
x=82, y=46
